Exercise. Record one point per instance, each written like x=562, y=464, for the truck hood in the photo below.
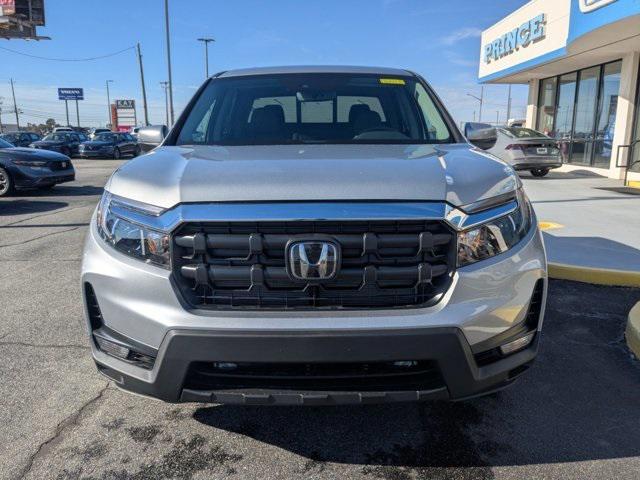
x=456, y=173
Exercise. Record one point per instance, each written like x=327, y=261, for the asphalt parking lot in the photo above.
x=576, y=414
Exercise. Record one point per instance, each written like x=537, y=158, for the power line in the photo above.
x=89, y=59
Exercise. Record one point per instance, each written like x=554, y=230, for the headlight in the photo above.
x=132, y=238
x=496, y=236
x=30, y=163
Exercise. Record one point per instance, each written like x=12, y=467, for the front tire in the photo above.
x=539, y=172
x=116, y=154
x=6, y=183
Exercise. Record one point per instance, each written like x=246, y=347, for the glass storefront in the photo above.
x=579, y=110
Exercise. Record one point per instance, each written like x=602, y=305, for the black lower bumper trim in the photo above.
x=446, y=347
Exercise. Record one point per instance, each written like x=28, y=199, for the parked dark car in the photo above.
x=66, y=143
x=109, y=145
x=29, y=168
x=20, y=139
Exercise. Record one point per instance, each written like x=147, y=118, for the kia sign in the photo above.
x=126, y=117
x=70, y=94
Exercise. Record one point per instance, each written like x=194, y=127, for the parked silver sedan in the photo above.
x=527, y=149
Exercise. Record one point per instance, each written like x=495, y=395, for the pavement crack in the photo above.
x=38, y=237
x=68, y=422
x=44, y=345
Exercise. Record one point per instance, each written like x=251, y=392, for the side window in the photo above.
x=25, y=137
x=346, y=102
x=75, y=138
x=436, y=128
x=288, y=105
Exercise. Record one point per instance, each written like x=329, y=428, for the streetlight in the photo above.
x=481, y=100
x=206, y=41
x=170, y=86
x=164, y=85
x=108, y=102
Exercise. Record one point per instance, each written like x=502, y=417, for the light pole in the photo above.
x=164, y=85
x=170, y=86
x=15, y=106
x=108, y=102
x=206, y=41
x=481, y=100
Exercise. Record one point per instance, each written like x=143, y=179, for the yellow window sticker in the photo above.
x=392, y=81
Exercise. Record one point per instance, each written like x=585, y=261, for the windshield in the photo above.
x=56, y=137
x=4, y=144
x=318, y=108
x=104, y=137
x=518, y=132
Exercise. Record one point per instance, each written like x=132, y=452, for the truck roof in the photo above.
x=313, y=69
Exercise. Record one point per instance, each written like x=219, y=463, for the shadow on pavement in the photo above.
x=64, y=191
x=555, y=175
x=580, y=402
x=21, y=207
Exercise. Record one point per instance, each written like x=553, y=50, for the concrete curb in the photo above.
x=599, y=276
x=632, y=332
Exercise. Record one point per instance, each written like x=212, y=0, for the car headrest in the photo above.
x=356, y=110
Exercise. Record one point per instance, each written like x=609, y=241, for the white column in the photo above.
x=532, y=103
x=625, y=111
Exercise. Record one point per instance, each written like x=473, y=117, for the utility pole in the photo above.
x=497, y=117
x=474, y=115
x=108, y=103
x=206, y=41
x=15, y=106
x=509, y=105
x=66, y=107
x=144, y=90
x=481, y=100
x=170, y=86
x=1, y=98
x=166, y=100
x=78, y=113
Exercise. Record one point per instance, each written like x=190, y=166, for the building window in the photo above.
x=585, y=116
x=547, y=105
x=581, y=107
x=607, y=108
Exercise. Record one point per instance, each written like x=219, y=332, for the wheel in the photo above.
x=539, y=172
x=137, y=152
x=116, y=154
x=6, y=184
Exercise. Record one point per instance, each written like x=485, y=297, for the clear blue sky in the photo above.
x=437, y=39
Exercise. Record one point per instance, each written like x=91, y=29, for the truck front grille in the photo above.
x=242, y=265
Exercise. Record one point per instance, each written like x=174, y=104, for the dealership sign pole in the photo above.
x=67, y=94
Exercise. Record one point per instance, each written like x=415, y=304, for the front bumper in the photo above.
x=30, y=178
x=486, y=301
x=530, y=163
x=94, y=153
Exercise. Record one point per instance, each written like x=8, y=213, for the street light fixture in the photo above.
x=206, y=41
x=170, y=79
x=108, y=102
x=481, y=100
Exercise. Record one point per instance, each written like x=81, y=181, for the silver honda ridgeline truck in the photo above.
x=314, y=236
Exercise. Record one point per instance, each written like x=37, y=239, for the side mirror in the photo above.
x=483, y=138
x=151, y=137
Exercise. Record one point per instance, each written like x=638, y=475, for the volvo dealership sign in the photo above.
x=530, y=31
x=70, y=94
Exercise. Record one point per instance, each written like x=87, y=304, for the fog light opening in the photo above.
x=112, y=348
x=225, y=366
x=517, y=344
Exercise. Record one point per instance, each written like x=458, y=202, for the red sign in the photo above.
x=7, y=7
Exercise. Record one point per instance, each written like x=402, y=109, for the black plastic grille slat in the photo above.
x=385, y=264
x=373, y=376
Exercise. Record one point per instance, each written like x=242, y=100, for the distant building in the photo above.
x=581, y=60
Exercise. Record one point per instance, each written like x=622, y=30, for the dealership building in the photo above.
x=581, y=60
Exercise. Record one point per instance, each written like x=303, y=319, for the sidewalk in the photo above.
x=593, y=231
